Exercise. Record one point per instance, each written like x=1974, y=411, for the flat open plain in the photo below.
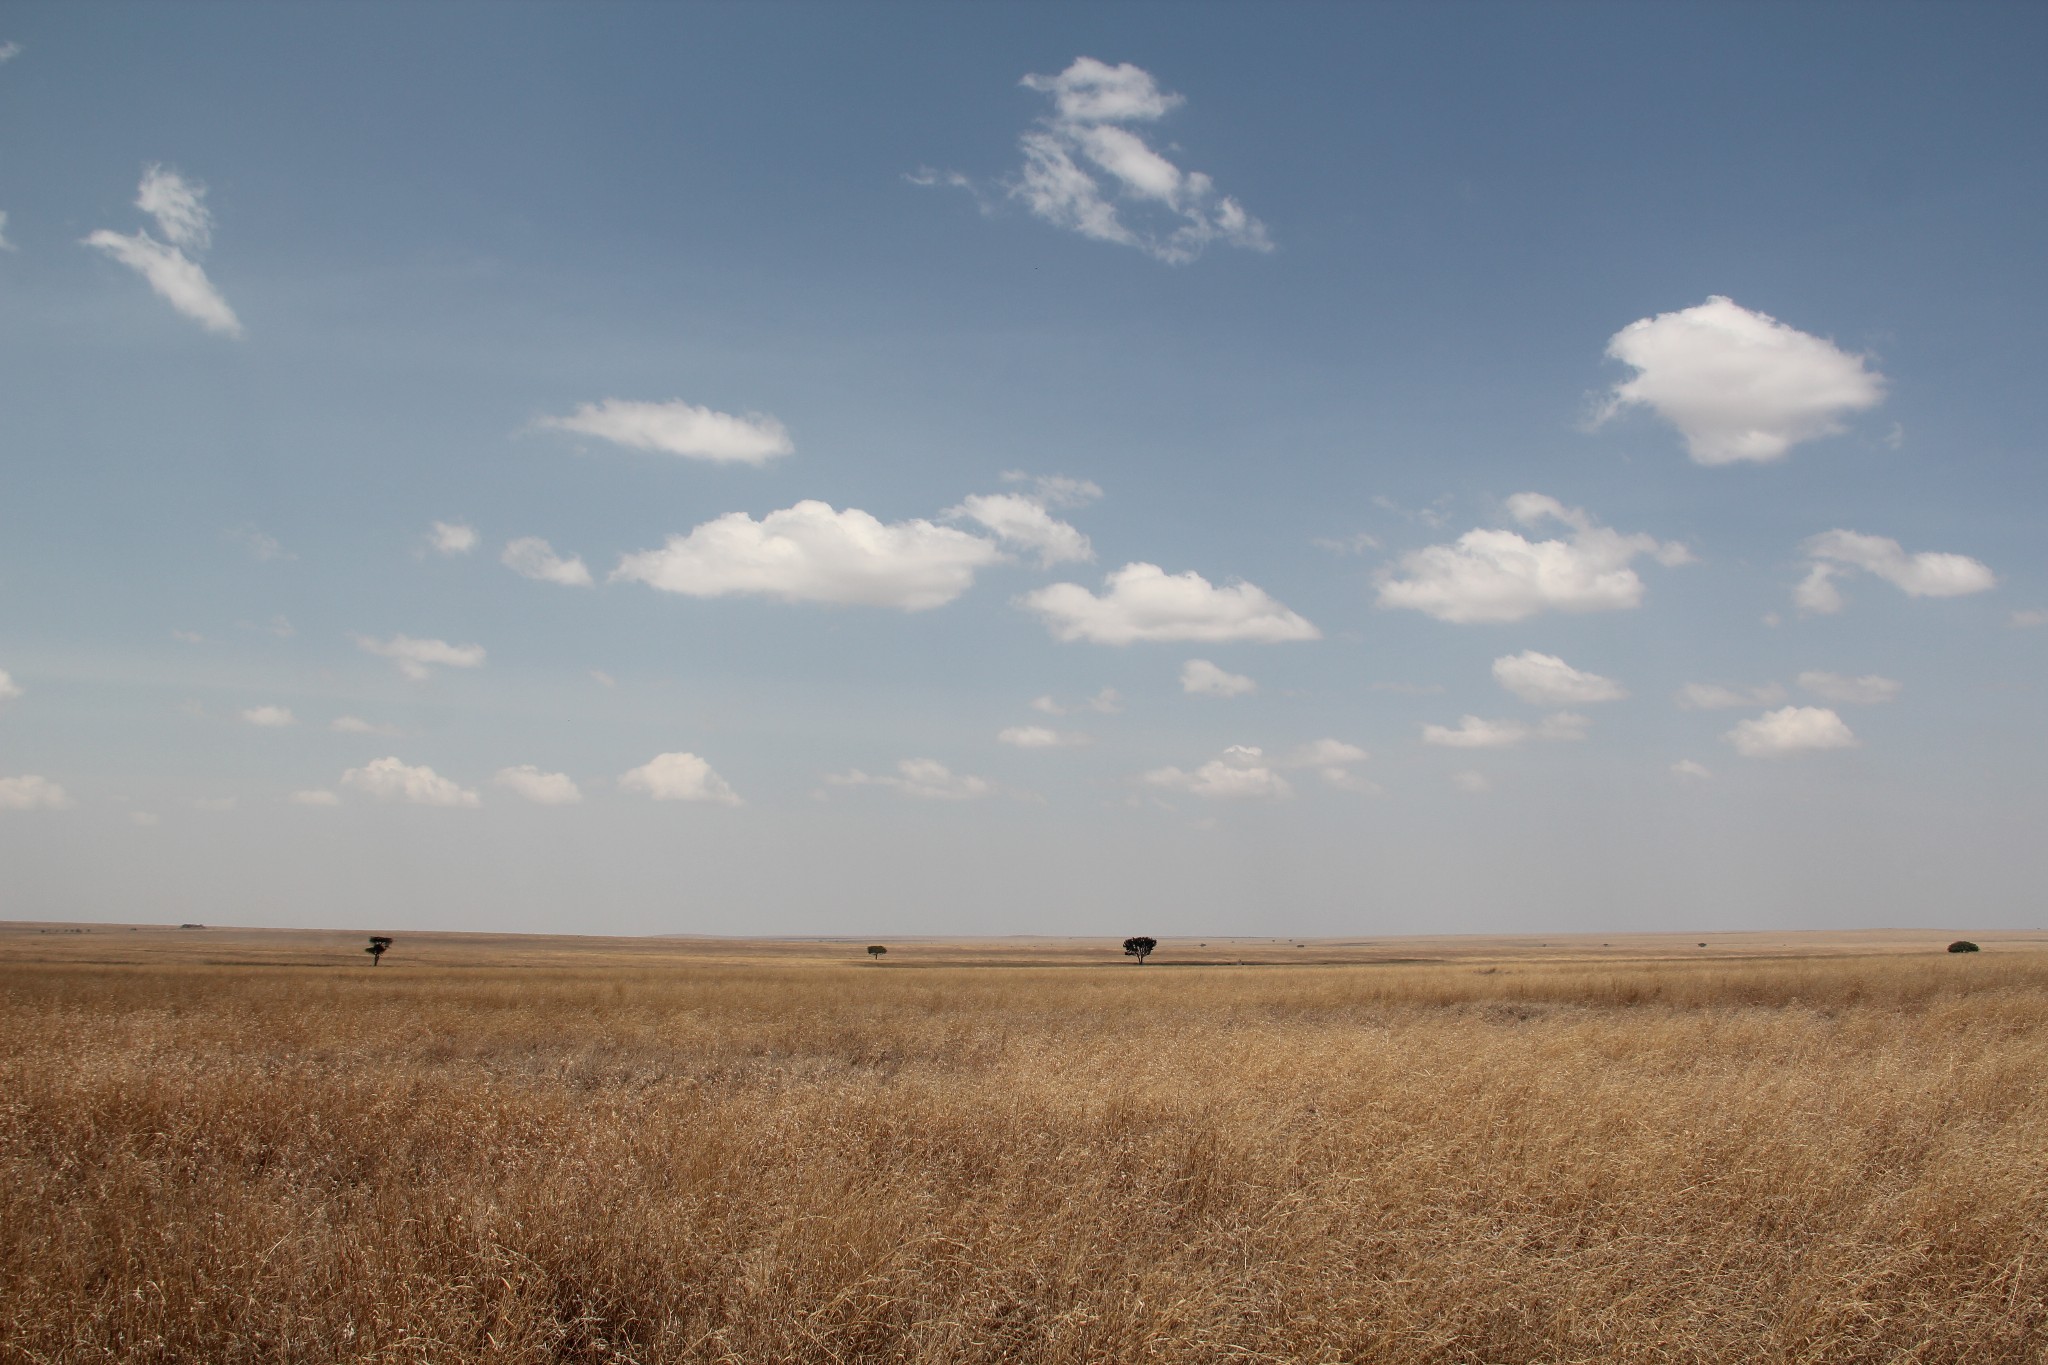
x=253, y=1145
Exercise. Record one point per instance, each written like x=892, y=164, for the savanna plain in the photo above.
x=244, y=1145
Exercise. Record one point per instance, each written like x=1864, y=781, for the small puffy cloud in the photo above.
x=1739, y=385
x=318, y=796
x=452, y=538
x=1714, y=697
x=270, y=717
x=1086, y=172
x=545, y=789
x=31, y=792
x=2026, y=618
x=181, y=214
x=1107, y=702
x=356, y=725
x=1473, y=732
x=1144, y=602
x=1490, y=576
x=1547, y=680
x=388, y=779
x=532, y=557
x=1687, y=770
x=1241, y=774
x=417, y=659
x=1039, y=737
x=679, y=777
x=926, y=779
x=1926, y=574
x=9, y=689
x=1055, y=490
x=1325, y=753
x=1019, y=520
x=260, y=544
x=812, y=553
x=1200, y=678
x=9, y=51
x=1791, y=730
x=1868, y=690
x=679, y=428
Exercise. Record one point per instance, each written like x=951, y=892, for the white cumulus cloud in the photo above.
x=926, y=779
x=1926, y=574
x=1241, y=774
x=30, y=792
x=1868, y=690
x=1547, y=680
x=1739, y=385
x=546, y=789
x=532, y=557
x=1791, y=730
x=679, y=428
x=417, y=659
x=1039, y=737
x=1497, y=575
x=679, y=777
x=1474, y=732
x=270, y=717
x=1714, y=697
x=179, y=207
x=1086, y=171
x=452, y=538
x=1021, y=520
x=1144, y=602
x=389, y=779
x=1200, y=678
x=9, y=689
x=812, y=553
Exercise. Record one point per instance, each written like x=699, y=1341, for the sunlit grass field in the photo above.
x=247, y=1146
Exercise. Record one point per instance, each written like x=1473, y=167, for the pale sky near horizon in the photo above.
x=920, y=468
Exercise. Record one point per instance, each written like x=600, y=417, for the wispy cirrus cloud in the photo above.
x=532, y=557
x=923, y=779
x=179, y=208
x=418, y=659
x=678, y=428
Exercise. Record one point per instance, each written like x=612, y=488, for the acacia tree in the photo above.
x=378, y=943
x=875, y=951
x=1140, y=948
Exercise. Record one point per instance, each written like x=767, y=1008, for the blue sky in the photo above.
x=1073, y=469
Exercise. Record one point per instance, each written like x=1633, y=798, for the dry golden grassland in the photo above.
x=222, y=1147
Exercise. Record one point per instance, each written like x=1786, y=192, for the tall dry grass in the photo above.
x=1781, y=1161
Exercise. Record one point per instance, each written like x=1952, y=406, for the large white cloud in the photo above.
x=545, y=789
x=1200, y=678
x=417, y=659
x=1144, y=602
x=1926, y=574
x=532, y=557
x=1086, y=172
x=926, y=779
x=1868, y=690
x=679, y=428
x=1490, y=576
x=1547, y=680
x=812, y=553
x=1243, y=773
x=679, y=777
x=179, y=207
x=1021, y=520
x=1474, y=732
x=30, y=792
x=389, y=779
x=1791, y=730
x=1739, y=385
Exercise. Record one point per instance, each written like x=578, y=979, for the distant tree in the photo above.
x=1963, y=945
x=876, y=951
x=378, y=943
x=1140, y=948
